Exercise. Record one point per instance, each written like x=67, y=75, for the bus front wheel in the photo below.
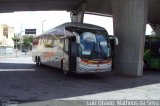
x=64, y=71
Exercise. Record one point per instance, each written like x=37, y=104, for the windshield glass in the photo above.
x=94, y=44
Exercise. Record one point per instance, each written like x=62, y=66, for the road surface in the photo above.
x=21, y=80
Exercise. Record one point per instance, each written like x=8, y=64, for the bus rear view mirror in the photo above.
x=74, y=49
x=113, y=40
x=65, y=37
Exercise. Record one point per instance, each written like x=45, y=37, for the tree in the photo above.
x=153, y=33
x=27, y=42
x=16, y=41
x=23, y=41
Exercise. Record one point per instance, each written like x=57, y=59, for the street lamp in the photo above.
x=21, y=29
x=42, y=25
x=16, y=41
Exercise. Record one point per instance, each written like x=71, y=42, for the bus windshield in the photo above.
x=94, y=44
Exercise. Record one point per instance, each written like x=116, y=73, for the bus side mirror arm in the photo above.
x=116, y=40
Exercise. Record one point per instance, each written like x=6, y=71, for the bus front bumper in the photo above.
x=93, y=68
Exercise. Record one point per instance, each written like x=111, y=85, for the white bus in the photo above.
x=74, y=47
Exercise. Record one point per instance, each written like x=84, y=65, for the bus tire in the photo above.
x=62, y=64
x=36, y=59
x=64, y=71
x=39, y=62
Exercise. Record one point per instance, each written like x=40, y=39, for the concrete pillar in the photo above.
x=156, y=28
x=77, y=15
x=129, y=20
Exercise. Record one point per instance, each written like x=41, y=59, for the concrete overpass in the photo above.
x=100, y=7
x=129, y=18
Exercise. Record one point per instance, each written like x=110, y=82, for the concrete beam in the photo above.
x=129, y=20
x=77, y=15
x=156, y=28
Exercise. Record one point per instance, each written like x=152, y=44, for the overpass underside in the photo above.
x=129, y=19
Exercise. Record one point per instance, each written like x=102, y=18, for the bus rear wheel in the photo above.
x=38, y=61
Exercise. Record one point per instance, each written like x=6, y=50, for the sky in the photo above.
x=33, y=19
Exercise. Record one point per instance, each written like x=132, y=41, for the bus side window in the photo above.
x=65, y=45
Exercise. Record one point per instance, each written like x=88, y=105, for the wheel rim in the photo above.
x=39, y=63
x=65, y=72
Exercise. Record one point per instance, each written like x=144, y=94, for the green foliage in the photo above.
x=27, y=41
x=15, y=39
x=153, y=33
x=152, y=37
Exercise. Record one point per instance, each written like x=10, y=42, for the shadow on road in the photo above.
x=45, y=83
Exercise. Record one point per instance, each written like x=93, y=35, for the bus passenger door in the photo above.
x=69, y=61
x=65, y=62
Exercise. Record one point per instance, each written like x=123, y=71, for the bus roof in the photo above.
x=82, y=25
x=74, y=24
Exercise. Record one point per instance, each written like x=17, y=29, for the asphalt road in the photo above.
x=21, y=80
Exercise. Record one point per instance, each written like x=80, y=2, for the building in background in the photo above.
x=6, y=34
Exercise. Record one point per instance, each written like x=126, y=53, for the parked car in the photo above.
x=24, y=50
